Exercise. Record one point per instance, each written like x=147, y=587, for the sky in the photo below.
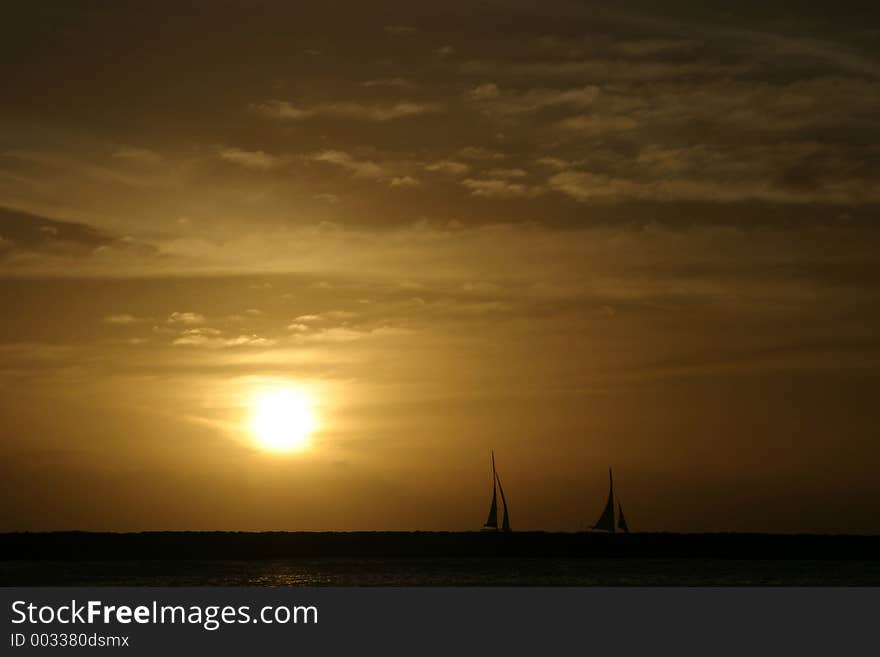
x=580, y=235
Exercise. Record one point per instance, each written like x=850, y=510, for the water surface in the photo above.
x=441, y=572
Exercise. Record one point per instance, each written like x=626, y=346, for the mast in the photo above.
x=606, y=520
x=492, y=520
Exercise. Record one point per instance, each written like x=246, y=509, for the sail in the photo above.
x=505, y=520
x=492, y=520
x=621, y=521
x=606, y=520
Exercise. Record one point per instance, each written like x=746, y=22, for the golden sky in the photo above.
x=578, y=235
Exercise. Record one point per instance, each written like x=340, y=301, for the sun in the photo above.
x=282, y=419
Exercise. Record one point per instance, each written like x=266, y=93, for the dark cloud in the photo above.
x=33, y=241
x=35, y=233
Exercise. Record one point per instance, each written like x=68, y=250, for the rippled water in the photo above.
x=441, y=572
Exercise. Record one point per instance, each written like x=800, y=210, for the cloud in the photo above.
x=507, y=173
x=340, y=314
x=480, y=287
x=583, y=186
x=330, y=315
x=397, y=82
x=186, y=318
x=344, y=334
x=250, y=159
x=36, y=243
x=358, y=168
x=493, y=100
x=485, y=91
x=378, y=112
x=139, y=155
x=620, y=111
x=597, y=125
x=403, y=181
x=122, y=319
x=554, y=162
x=602, y=70
x=203, y=330
x=59, y=165
x=648, y=47
x=400, y=30
x=499, y=189
x=367, y=169
x=213, y=339
x=36, y=232
x=448, y=166
x=587, y=186
x=480, y=153
x=840, y=56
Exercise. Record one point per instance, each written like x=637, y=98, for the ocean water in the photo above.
x=442, y=572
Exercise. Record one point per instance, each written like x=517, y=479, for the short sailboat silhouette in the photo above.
x=606, y=520
x=492, y=520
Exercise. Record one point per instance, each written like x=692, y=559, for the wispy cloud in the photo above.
x=122, y=319
x=358, y=167
x=499, y=189
x=507, y=173
x=480, y=153
x=586, y=187
x=141, y=155
x=250, y=159
x=495, y=100
x=452, y=167
x=400, y=29
x=396, y=82
x=403, y=181
x=378, y=112
x=595, y=125
x=213, y=339
x=186, y=318
x=391, y=174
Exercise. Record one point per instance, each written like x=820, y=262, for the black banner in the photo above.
x=443, y=621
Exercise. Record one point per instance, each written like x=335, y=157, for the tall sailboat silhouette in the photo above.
x=606, y=520
x=492, y=520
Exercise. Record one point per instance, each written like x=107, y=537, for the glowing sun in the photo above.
x=282, y=419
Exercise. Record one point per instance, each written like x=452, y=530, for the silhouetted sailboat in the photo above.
x=492, y=520
x=606, y=520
